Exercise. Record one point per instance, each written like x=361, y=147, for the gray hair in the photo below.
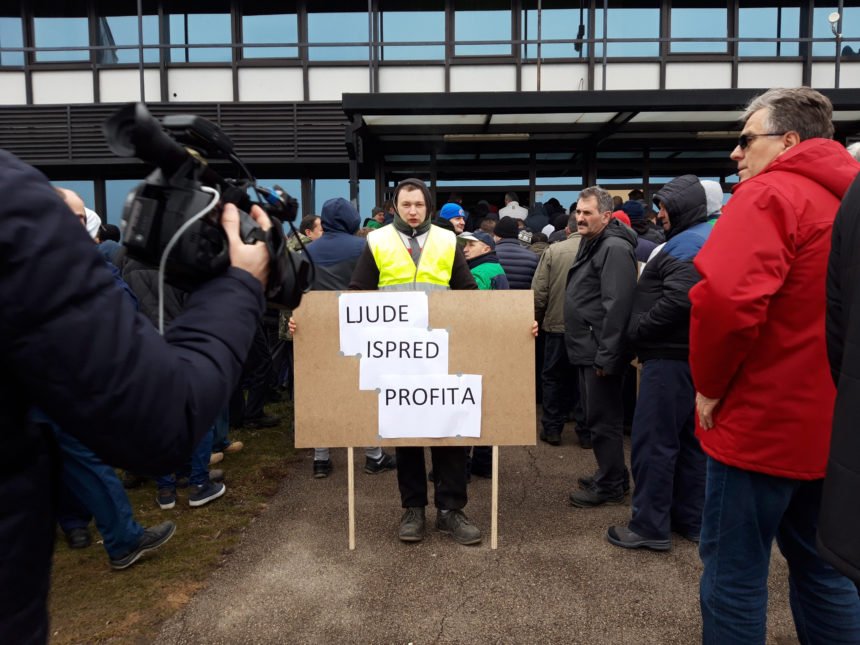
x=854, y=150
x=604, y=199
x=794, y=109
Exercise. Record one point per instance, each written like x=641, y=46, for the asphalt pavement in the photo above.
x=553, y=579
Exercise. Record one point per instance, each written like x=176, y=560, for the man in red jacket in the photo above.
x=759, y=363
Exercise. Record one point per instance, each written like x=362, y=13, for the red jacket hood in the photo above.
x=824, y=161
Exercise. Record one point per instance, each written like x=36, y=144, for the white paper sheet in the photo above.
x=430, y=406
x=397, y=351
x=386, y=310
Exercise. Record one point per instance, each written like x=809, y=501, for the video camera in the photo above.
x=172, y=219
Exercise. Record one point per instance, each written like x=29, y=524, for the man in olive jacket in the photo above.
x=597, y=305
x=559, y=377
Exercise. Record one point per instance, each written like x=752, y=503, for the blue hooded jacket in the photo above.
x=338, y=243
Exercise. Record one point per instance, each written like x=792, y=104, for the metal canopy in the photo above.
x=463, y=134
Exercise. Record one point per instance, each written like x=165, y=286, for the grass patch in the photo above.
x=91, y=603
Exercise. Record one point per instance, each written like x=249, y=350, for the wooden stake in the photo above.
x=494, y=511
x=351, y=477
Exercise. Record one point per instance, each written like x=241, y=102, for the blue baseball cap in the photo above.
x=450, y=211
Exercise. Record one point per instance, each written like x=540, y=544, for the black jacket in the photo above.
x=537, y=218
x=647, y=231
x=143, y=282
x=839, y=520
x=72, y=344
x=518, y=262
x=598, y=298
x=660, y=320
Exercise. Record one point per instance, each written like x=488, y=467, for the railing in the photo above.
x=586, y=45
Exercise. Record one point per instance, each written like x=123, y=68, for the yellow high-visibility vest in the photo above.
x=397, y=271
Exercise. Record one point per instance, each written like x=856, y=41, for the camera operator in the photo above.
x=138, y=400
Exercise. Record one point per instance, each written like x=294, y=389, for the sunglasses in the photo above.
x=745, y=139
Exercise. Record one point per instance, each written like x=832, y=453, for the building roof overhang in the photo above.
x=696, y=128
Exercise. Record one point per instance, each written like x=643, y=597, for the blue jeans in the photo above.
x=744, y=512
x=220, y=430
x=199, y=464
x=98, y=489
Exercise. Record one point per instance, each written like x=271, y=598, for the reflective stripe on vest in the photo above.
x=398, y=271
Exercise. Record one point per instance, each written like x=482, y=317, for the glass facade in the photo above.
x=400, y=26
x=424, y=30
x=118, y=30
x=209, y=26
x=555, y=24
x=821, y=29
x=771, y=23
x=630, y=23
x=55, y=26
x=698, y=22
x=482, y=21
x=11, y=35
x=325, y=189
x=328, y=28
x=263, y=29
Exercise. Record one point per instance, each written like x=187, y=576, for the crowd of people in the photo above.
x=723, y=309
x=727, y=319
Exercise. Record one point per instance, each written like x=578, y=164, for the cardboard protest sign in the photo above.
x=488, y=336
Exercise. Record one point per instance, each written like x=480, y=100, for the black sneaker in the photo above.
x=585, y=442
x=152, y=538
x=264, y=421
x=458, y=526
x=215, y=475
x=588, y=482
x=166, y=498
x=322, y=468
x=79, y=538
x=384, y=463
x=412, y=525
x=591, y=497
x=627, y=539
x=206, y=493
x=552, y=438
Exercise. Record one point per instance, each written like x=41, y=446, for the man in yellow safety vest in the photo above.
x=411, y=254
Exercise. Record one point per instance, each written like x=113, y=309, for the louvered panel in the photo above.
x=87, y=139
x=270, y=131
x=41, y=132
